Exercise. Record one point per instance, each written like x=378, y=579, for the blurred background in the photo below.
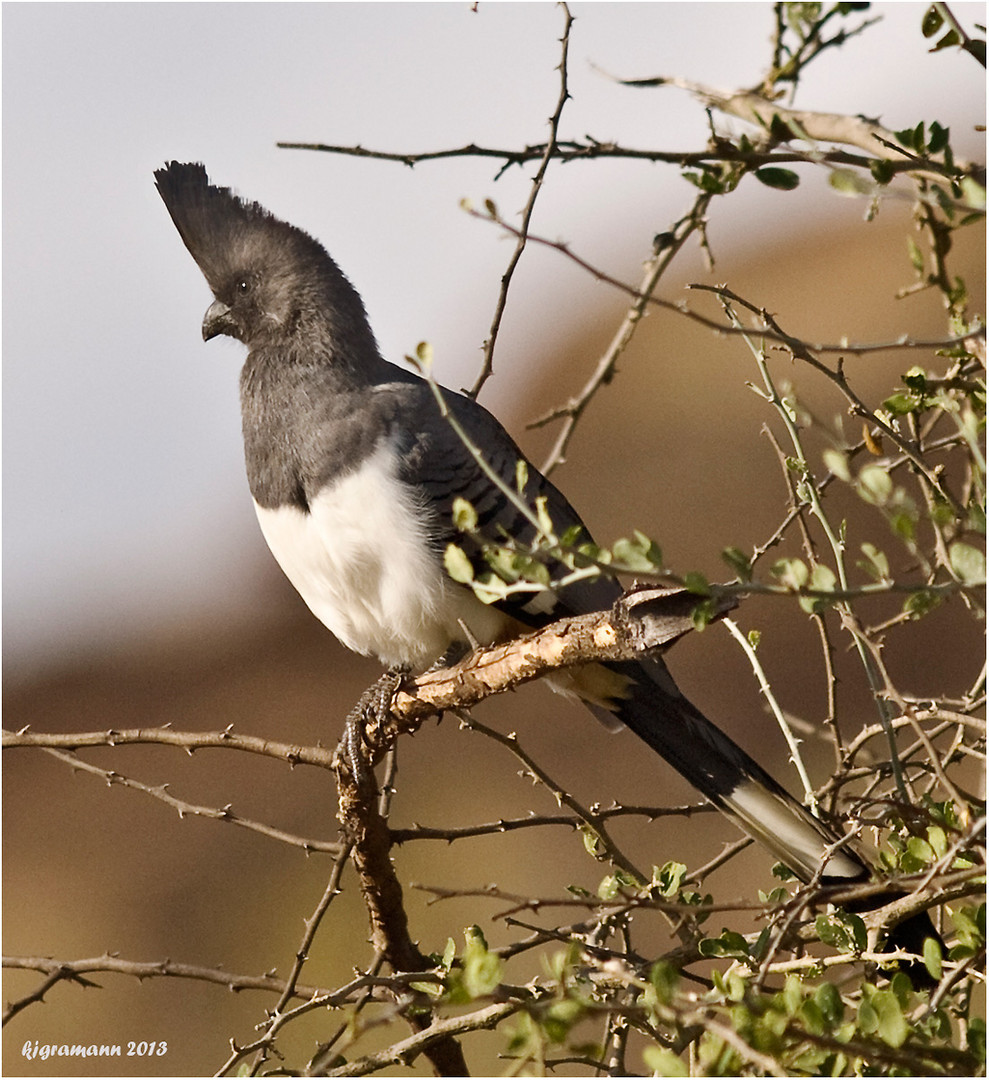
x=137, y=588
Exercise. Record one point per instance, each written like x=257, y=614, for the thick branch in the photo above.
x=641, y=621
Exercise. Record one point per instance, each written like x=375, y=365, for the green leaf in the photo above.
x=608, y=889
x=464, y=515
x=877, y=565
x=424, y=355
x=542, y=515
x=973, y=193
x=731, y=943
x=739, y=562
x=967, y=563
x=665, y=979
x=939, y=138
x=669, y=879
x=663, y=1062
x=892, y=1027
x=916, y=255
x=908, y=137
x=521, y=475
x=849, y=182
x=457, y=565
x=901, y=404
x=931, y=22
x=822, y=579
x=792, y=573
x=921, y=603
x=592, y=842
x=882, y=171
x=875, y=484
x=638, y=553
x=482, y=969
x=829, y=1002
x=932, y=958
x=950, y=38
x=694, y=581
x=780, y=179
x=837, y=462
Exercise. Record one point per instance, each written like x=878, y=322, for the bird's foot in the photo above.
x=364, y=727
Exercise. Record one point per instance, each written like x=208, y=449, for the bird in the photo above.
x=355, y=474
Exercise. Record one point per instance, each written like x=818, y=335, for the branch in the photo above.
x=74, y=970
x=785, y=124
x=640, y=621
x=406, y=1051
x=969, y=339
x=189, y=741
x=568, y=150
x=187, y=809
x=537, y=182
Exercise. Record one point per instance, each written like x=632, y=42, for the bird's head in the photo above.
x=271, y=282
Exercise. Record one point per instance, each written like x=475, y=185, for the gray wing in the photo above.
x=436, y=462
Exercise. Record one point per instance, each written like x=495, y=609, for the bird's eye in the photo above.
x=243, y=286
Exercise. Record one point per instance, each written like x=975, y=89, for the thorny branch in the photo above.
x=487, y=366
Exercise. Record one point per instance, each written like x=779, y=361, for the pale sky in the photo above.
x=124, y=497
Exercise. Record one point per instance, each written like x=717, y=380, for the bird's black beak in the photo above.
x=218, y=320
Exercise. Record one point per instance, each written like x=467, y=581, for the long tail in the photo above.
x=661, y=716
x=653, y=707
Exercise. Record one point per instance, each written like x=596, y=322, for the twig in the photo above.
x=190, y=741
x=678, y=307
x=792, y=742
x=187, y=809
x=406, y=1051
x=487, y=366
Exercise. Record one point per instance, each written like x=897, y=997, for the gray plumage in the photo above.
x=354, y=471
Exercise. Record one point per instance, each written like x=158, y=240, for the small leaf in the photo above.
x=424, y=354
x=457, y=565
x=893, y=1028
x=875, y=485
x=781, y=179
x=849, y=182
x=837, y=462
x=882, y=171
x=739, y=562
x=932, y=22
x=877, y=565
x=542, y=515
x=521, y=475
x=822, y=579
x=482, y=969
x=638, y=553
x=792, y=573
x=967, y=563
x=608, y=889
x=669, y=879
x=973, y=193
x=920, y=603
x=901, y=404
x=663, y=1062
x=694, y=581
x=932, y=958
x=950, y=38
x=664, y=978
x=464, y=515
x=916, y=255
x=939, y=138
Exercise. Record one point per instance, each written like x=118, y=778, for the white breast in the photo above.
x=361, y=560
